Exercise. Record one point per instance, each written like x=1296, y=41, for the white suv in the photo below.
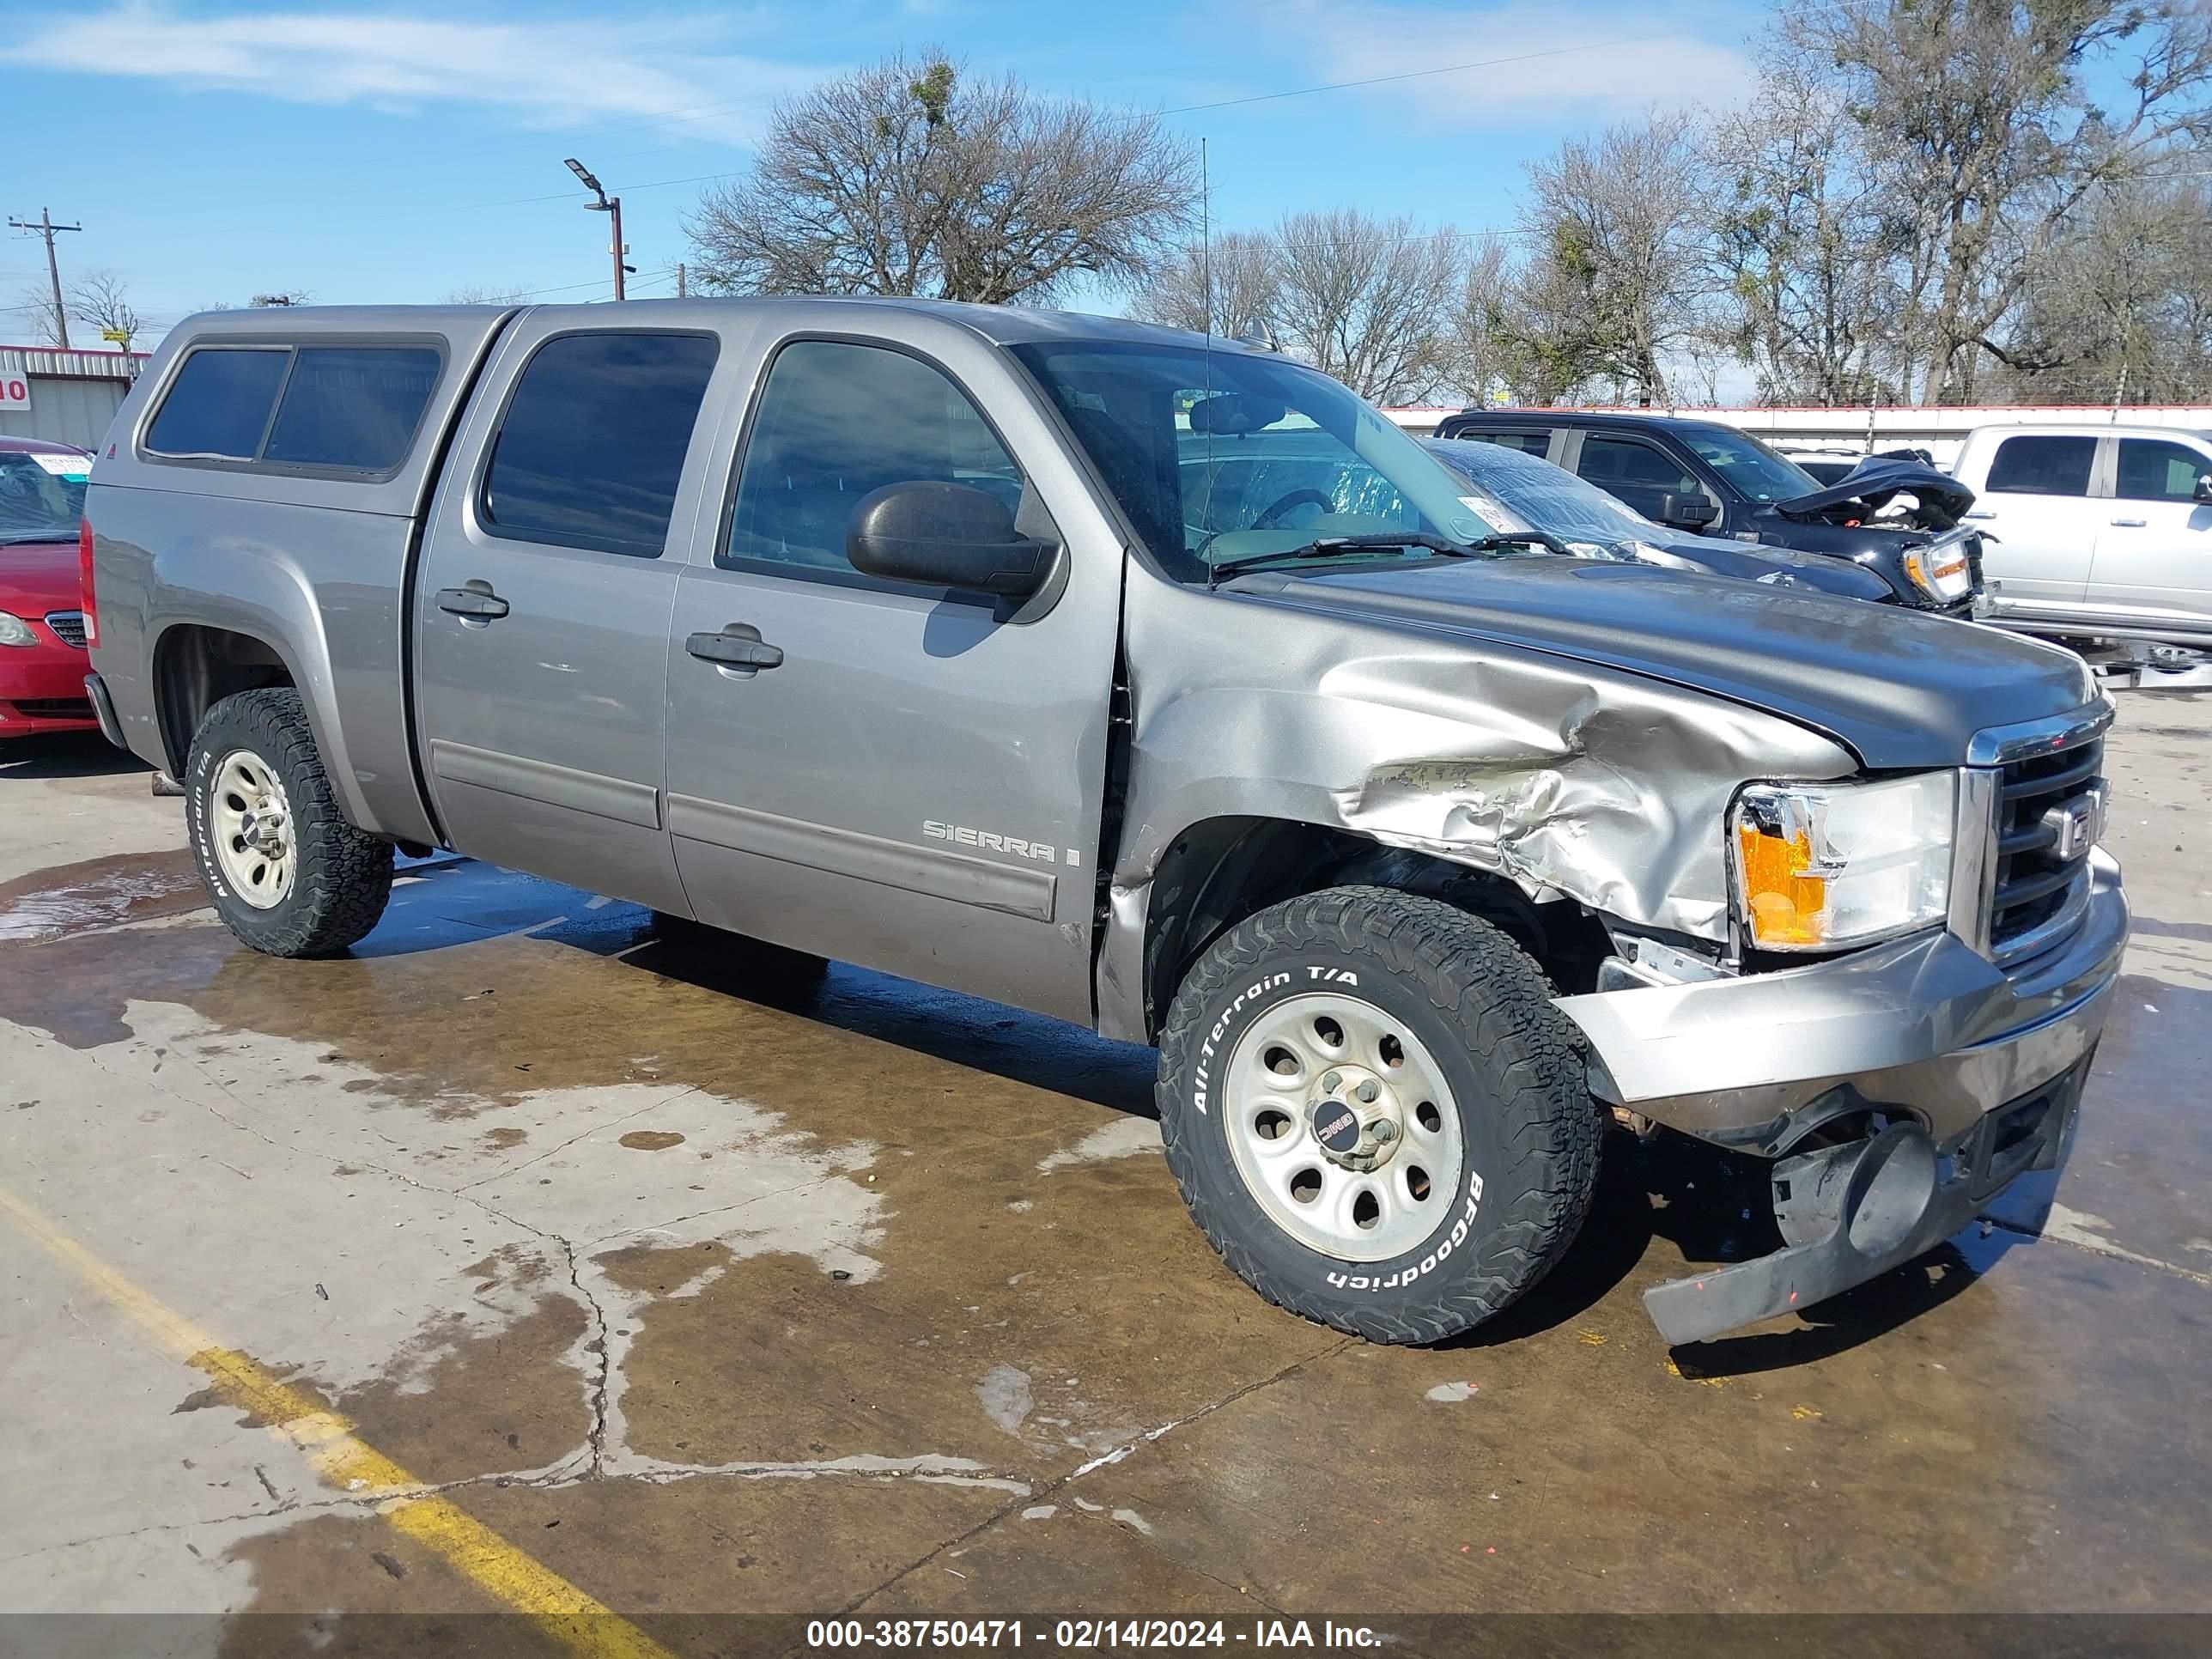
x=2097, y=529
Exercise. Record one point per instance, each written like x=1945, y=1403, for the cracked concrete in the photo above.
x=716, y=1305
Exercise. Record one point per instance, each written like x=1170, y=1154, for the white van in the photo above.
x=2095, y=531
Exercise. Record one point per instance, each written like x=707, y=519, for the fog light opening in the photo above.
x=1895, y=1196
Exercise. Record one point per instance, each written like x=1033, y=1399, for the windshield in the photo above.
x=1545, y=496
x=41, y=495
x=1218, y=457
x=1749, y=465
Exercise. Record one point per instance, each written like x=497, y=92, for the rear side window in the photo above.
x=339, y=408
x=2153, y=470
x=1536, y=443
x=355, y=407
x=590, y=448
x=836, y=421
x=219, y=403
x=2043, y=466
x=1624, y=461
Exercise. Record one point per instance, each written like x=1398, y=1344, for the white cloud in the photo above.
x=551, y=73
x=1661, y=62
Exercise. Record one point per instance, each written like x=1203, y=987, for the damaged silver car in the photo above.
x=1156, y=685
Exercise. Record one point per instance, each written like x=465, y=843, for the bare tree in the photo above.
x=1369, y=300
x=906, y=178
x=1799, y=241
x=2120, y=309
x=34, y=302
x=102, y=299
x=288, y=296
x=1618, y=275
x=1245, y=277
x=483, y=293
x=1978, y=120
x=1486, y=355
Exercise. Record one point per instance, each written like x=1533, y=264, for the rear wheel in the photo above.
x=1377, y=1113
x=288, y=874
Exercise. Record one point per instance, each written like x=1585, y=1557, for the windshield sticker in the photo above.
x=72, y=467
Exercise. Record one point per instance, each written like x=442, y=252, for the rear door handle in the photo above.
x=2131, y=524
x=473, y=598
x=738, y=646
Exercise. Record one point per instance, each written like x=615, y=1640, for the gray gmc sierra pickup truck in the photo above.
x=1156, y=683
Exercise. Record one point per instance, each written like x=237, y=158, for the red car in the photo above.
x=43, y=660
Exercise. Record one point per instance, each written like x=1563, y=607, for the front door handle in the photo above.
x=2131, y=524
x=738, y=648
x=473, y=598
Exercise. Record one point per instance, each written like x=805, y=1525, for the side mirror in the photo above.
x=2203, y=490
x=1686, y=512
x=945, y=535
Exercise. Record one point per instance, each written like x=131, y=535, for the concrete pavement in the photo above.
x=704, y=1303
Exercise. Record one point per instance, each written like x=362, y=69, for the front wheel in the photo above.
x=1377, y=1115
x=288, y=873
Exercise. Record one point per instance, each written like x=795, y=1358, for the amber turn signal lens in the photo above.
x=1788, y=905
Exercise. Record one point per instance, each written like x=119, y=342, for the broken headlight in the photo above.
x=1939, y=568
x=1819, y=866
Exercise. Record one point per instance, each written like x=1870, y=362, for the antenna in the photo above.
x=1206, y=283
x=1206, y=240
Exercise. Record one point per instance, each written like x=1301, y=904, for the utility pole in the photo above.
x=47, y=228
x=679, y=279
x=610, y=205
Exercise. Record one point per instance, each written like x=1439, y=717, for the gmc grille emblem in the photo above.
x=2075, y=825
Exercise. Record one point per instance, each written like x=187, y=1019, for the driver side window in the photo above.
x=835, y=421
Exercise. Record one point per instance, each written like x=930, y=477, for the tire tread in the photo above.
x=344, y=875
x=1484, y=987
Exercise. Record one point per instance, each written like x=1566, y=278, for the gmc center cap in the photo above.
x=1336, y=1126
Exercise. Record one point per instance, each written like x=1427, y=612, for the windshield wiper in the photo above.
x=1543, y=538
x=23, y=539
x=1327, y=547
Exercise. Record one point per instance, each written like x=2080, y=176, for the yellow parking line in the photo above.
x=349, y=1464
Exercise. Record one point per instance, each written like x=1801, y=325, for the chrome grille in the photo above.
x=2049, y=808
x=67, y=626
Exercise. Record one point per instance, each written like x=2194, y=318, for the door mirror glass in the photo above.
x=1686, y=512
x=945, y=535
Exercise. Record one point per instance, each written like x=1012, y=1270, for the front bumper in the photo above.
x=1924, y=1029
x=42, y=687
x=1851, y=1213
x=1926, y=1024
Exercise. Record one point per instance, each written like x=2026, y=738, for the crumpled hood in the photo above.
x=1899, y=688
x=1942, y=498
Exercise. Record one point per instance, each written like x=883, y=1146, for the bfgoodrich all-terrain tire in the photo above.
x=1376, y=1113
x=288, y=873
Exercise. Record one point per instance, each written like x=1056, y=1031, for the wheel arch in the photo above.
x=195, y=664
x=1216, y=871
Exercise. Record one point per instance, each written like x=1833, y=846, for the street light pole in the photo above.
x=614, y=221
x=611, y=206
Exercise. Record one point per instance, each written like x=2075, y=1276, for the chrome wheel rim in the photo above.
x=1342, y=1128
x=250, y=822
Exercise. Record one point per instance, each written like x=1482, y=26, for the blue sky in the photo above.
x=374, y=152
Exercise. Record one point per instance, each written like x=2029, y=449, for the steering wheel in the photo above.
x=1296, y=498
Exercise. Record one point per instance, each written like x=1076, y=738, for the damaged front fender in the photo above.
x=1569, y=779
